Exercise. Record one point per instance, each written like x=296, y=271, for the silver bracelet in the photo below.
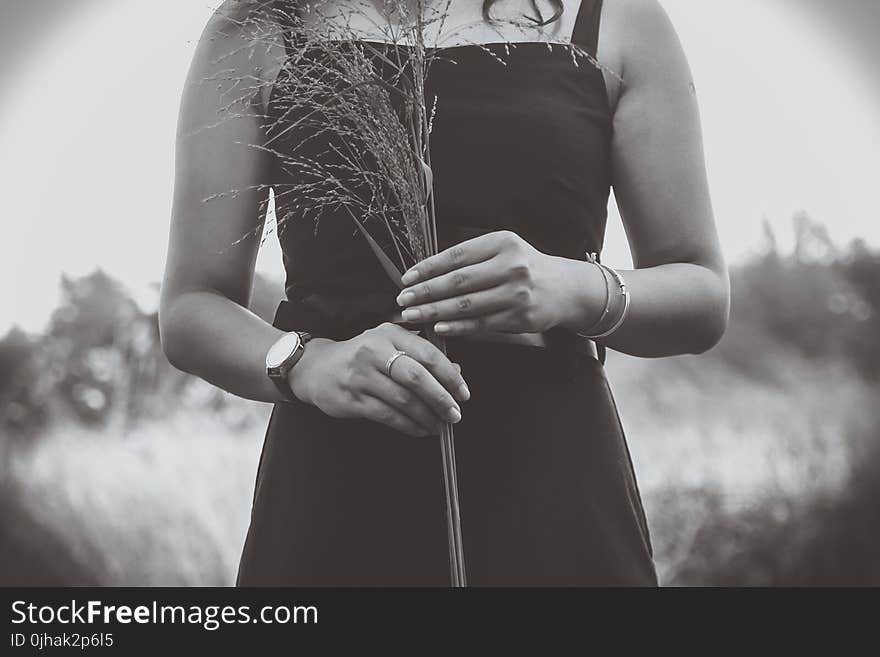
x=626, y=301
x=591, y=257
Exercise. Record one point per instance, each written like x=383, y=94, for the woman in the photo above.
x=349, y=488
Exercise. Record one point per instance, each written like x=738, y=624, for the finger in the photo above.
x=435, y=361
x=492, y=323
x=471, y=278
x=378, y=410
x=405, y=401
x=473, y=304
x=469, y=252
x=410, y=373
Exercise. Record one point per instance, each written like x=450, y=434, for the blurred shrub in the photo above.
x=819, y=301
x=861, y=268
x=22, y=407
x=826, y=540
x=100, y=358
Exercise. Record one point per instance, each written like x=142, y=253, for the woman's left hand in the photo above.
x=496, y=282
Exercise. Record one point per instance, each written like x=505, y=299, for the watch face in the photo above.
x=282, y=350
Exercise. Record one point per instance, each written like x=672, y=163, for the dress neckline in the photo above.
x=460, y=46
x=551, y=46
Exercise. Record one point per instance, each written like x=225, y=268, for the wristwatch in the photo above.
x=281, y=358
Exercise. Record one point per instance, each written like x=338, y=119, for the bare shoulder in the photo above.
x=639, y=41
x=240, y=47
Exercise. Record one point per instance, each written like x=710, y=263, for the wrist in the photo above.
x=584, y=300
x=300, y=378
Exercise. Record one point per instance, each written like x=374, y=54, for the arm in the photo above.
x=680, y=293
x=680, y=288
x=205, y=326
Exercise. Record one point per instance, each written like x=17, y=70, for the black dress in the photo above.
x=548, y=493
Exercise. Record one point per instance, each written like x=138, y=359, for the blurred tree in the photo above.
x=819, y=301
x=101, y=358
x=861, y=267
x=20, y=398
x=84, y=333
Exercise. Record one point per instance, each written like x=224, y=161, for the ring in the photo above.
x=391, y=359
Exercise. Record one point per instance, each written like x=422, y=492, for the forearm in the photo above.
x=675, y=308
x=212, y=337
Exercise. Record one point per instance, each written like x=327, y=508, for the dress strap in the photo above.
x=586, y=26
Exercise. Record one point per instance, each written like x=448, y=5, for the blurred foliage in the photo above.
x=100, y=358
x=818, y=300
x=94, y=422
x=825, y=540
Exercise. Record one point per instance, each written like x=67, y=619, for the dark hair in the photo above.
x=558, y=8
x=557, y=12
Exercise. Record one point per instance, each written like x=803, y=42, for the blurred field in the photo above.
x=165, y=505
x=759, y=462
x=734, y=471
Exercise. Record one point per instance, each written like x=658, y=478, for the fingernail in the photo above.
x=411, y=314
x=405, y=297
x=410, y=276
x=454, y=414
x=441, y=327
x=464, y=392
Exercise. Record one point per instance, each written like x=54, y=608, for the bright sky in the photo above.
x=87, y=138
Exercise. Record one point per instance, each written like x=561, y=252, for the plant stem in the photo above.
x=450, y=480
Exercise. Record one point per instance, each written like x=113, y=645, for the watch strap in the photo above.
x=284, y=388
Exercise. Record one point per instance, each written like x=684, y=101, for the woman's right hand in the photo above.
x=347, y=379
